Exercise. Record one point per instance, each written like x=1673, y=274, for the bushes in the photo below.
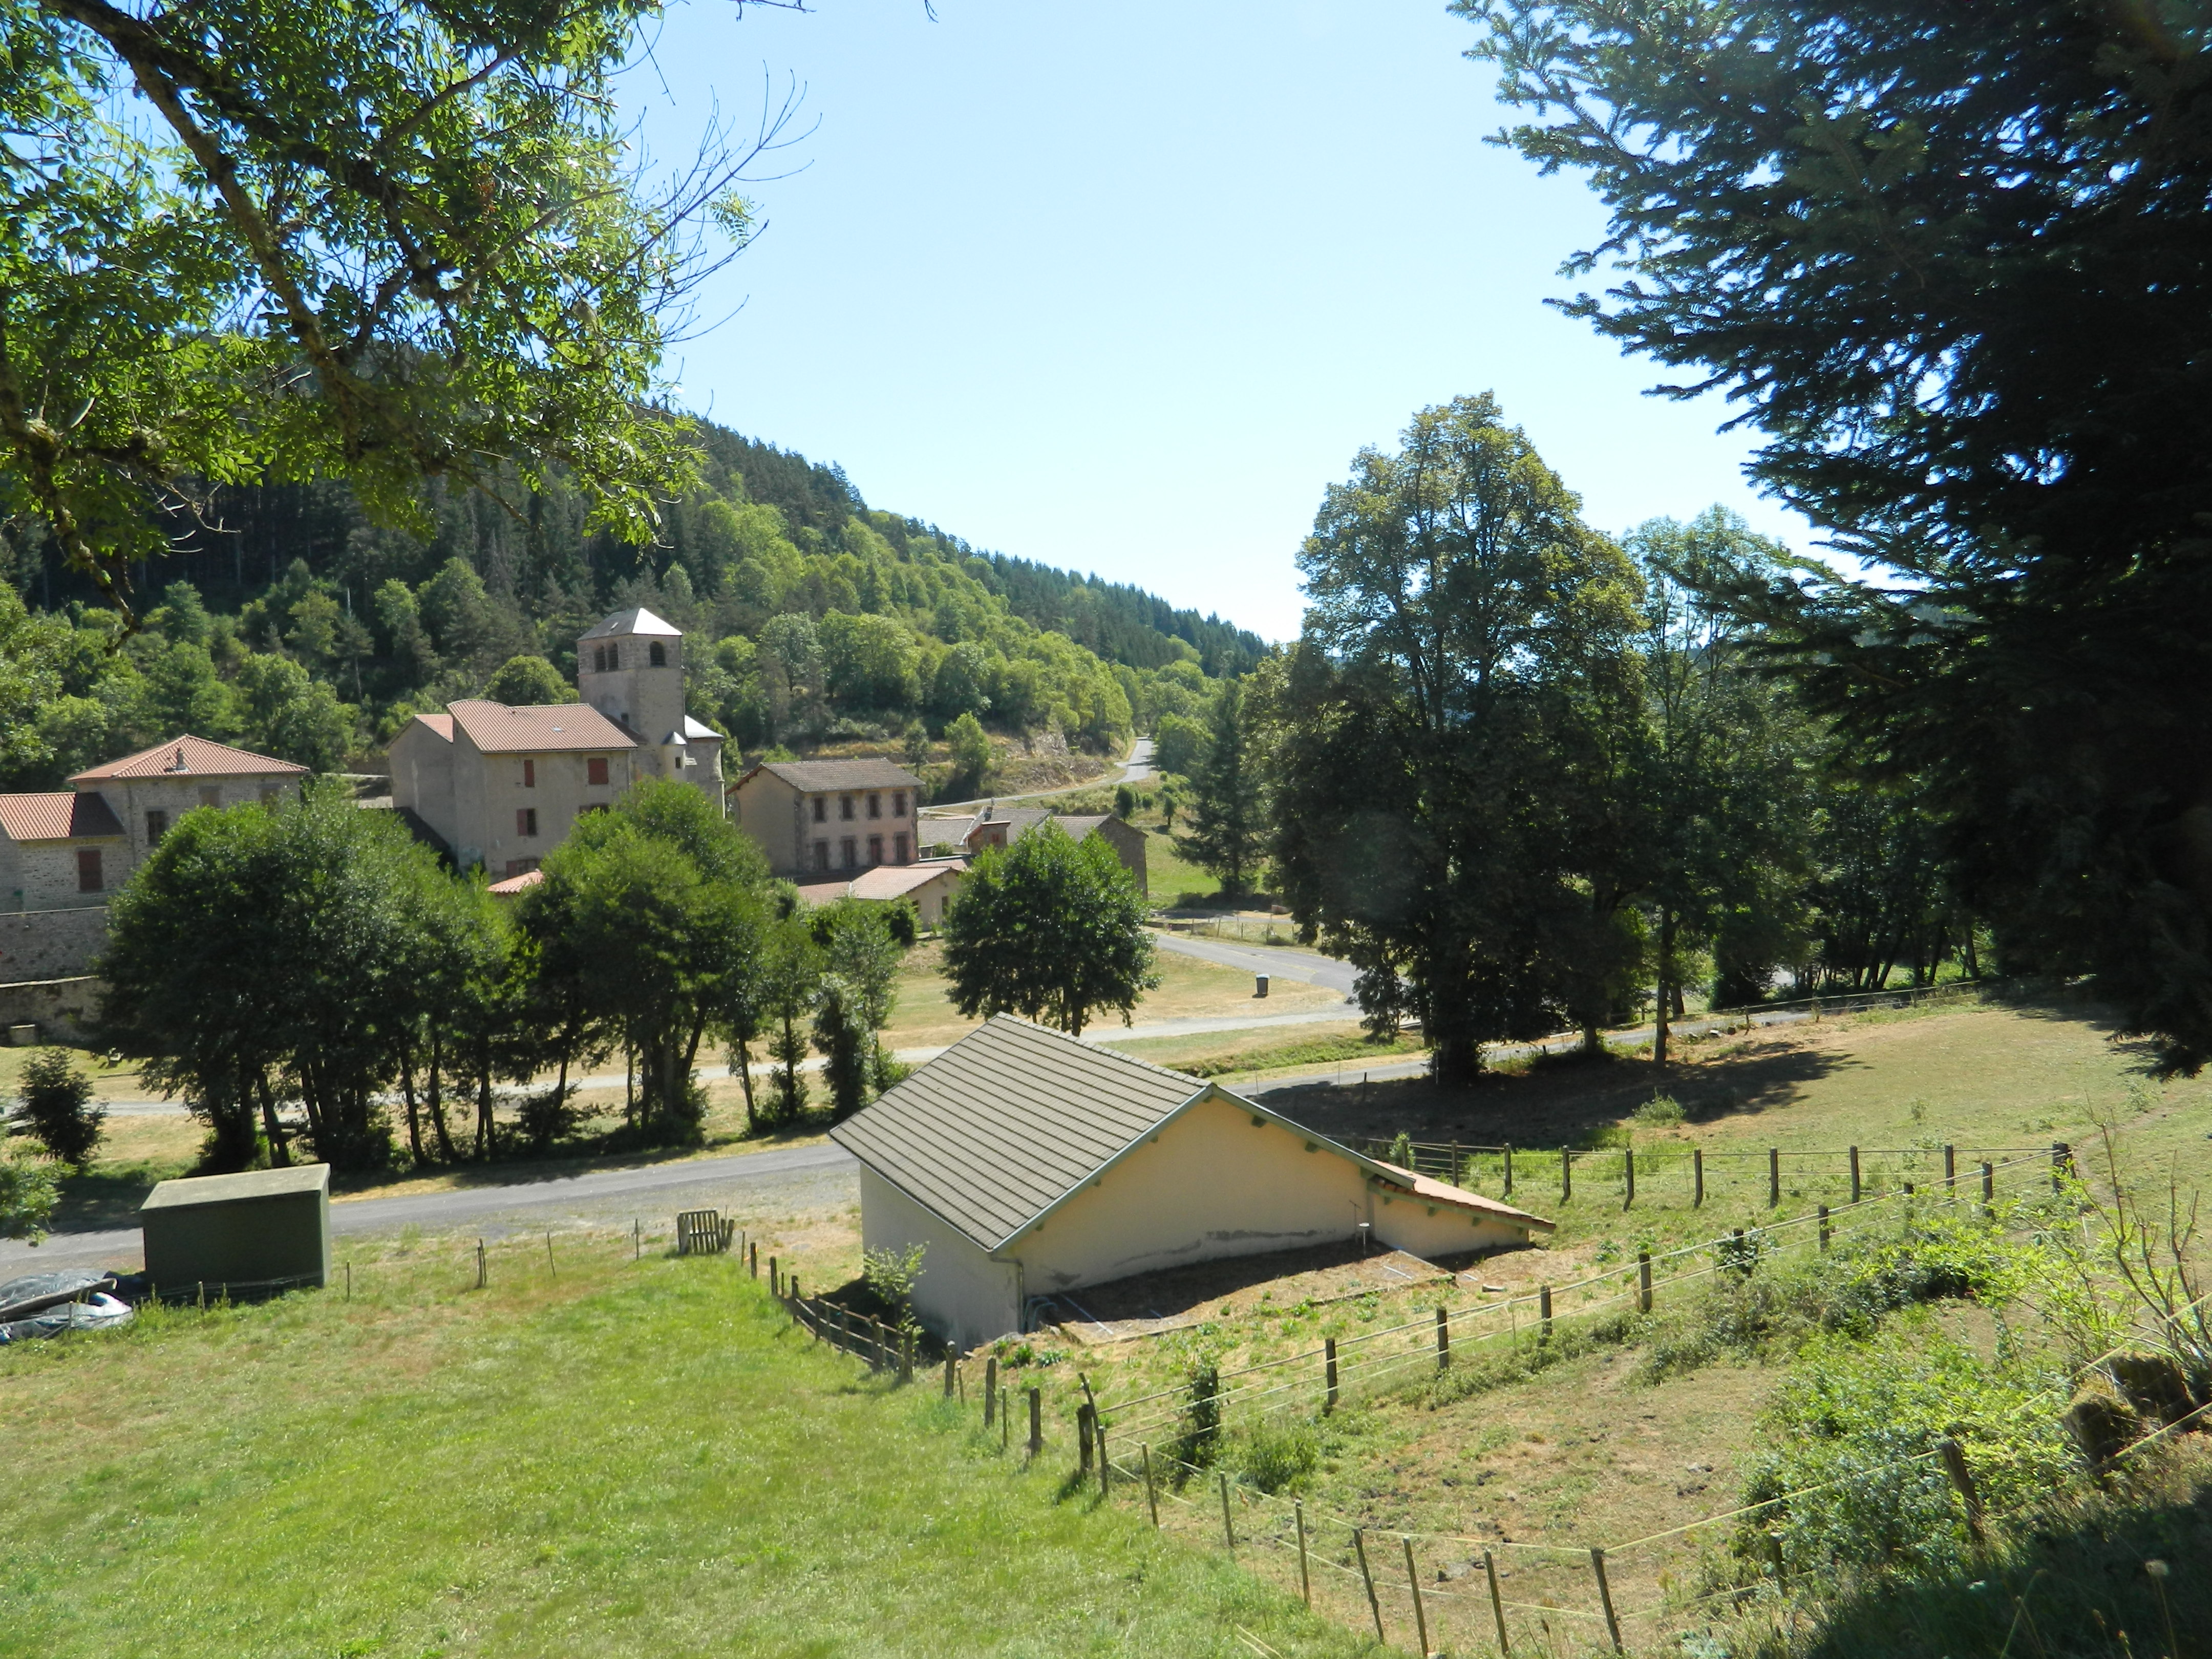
x=54, y=1107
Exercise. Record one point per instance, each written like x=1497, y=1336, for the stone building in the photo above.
x=498, y=787
x=816, y=818
x=63, y=852
x=1001, y=826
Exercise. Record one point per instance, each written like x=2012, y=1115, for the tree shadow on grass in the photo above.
x=2078, y=1586
x=1559, y=1099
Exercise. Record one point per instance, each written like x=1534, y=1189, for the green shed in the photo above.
x=265, y=1230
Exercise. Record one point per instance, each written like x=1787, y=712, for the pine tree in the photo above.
x=1226, y=832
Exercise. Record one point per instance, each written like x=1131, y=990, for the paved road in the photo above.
x=795, y=1178
x=1281, y=961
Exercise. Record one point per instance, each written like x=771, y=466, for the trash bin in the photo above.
x=1259, y=985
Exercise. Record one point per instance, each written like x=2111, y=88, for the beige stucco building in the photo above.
x=929, y=887
x=498, y=787
x=816, y=818
x=65, y=851
x=1025, y=1163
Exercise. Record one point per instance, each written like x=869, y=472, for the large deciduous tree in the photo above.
x=381, y=240
x=1956, y=262
x=1451, y=730
x=1051, y=929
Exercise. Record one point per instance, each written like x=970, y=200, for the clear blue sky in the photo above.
x=1123, y=289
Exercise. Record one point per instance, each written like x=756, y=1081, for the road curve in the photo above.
x=1281, y=962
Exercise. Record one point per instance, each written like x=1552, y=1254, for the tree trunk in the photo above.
x=743, y=1048
x=437, y=1099
x=1664, y=1004
x=407, y=1091
x=483, y=1107
x=279, y=1153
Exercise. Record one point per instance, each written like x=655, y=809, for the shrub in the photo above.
x=55, y=1108
x=1275, y=1456
x=1660, y=1112
x=1201, y=1436
x=26, y=1198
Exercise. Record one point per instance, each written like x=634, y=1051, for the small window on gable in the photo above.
x=657, y=655
x=595, y=769
x=90, y=878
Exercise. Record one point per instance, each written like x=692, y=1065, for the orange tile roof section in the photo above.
x=548, y=728
x=189, y=757
x=1432, y=1191
x=514, y=884
x=441, y=723
x=62, y=815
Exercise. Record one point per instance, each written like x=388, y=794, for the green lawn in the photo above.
x=628, y=1459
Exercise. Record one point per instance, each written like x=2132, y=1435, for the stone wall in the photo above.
x=43, y=945
x=62, y=1009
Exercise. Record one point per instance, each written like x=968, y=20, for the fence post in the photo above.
x=1443, y=1340
x=1082, y=1435
x=1628, y=1174
x=1496, y=1601
x=1989, y=1188
x=1152, y=1496
x=1954, y=1465
x=1823, y=1230
x=1455, y=1171
x=1305, y=1583
x=1005, y=1421
x=2062, y=1164
x=1643, y=1279
x=1605, y=1597
x=1544, y=1311
x=1566, y=1174
x=1508, y=1169
x=990, y=1389
x=1413, y=1578
x=1328, y=1370
x=1228, y=1530
x=1105, y=1464
x=951, y=1364
x=636, y=1240
x=1359, y=1543
x=753, y=1258
x=774, y=1278
x=1950, y=1169
x=907, y=1343
x=480, y=1272
x=1773, y=1177
x=1697, y=1178
x=1854, y=1175
x=1037, y=1421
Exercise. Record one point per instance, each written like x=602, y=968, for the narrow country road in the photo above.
x=1280, y=961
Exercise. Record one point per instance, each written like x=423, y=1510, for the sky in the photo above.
x=1123, y=290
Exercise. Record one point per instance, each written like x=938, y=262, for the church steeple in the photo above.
x=630, y=668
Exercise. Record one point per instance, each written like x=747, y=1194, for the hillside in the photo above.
x=298, y=627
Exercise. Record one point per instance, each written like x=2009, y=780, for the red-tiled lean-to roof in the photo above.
x=61, y=814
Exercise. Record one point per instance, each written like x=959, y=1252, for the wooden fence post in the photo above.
x=1105, y=1463
x=774, y=1278
x=1823, y=1230
x=1566, y=1174
x=1954, y=1465
x=1328, y=1370
x=1228, y=1529
x=951, y=1364
x=1082, y=1438
x=480, y=1272
x=1643, y=1280
x=1988, y=1189
x=1305, y=1583
x=1037, y=1421
x=1496, y=1601
x=1697, y=1178
x=2062, y=1165
x=990, y=1389
x=1005, y=1421
x=1420, y=1614
x=1544, y=1311
x=1359, y=1543
x=1443, y=1340
x=1605, y=1598
x=753, y=1257
x=1152, y=1496
x=1854, y=1175
x=1773, y=1177
x=1508, y=1169
x=1628, y=1174
x=1950, y=1169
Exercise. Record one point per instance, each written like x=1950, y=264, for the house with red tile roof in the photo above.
x=64, y=851
x=498, y=787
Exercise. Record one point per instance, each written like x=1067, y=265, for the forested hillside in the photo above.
x=299, y=626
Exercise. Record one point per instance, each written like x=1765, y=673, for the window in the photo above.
x=875, y=849
x=89, y=876
x=606, y=659
x=657, y=655
x=595, y=770
x=875, y=806
x=528, y=772
x=157, y=825
x=821, y=809
x=526, y=821
x=898, y=803
x=822, y=855
x=845, y=808
x=899, y=855
x=212, y=795
x=851, y=849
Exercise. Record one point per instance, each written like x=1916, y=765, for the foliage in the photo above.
x=1276, y=1456
x=28, y=1193
x=971, y=753
x=1950, y=262
x=854, y=998
x=54, y=1106
x=1200, y=1438
x=522, y=682
x=1226, y=828
x=1446, y=738
x=891, y=1275
x=1051, y=929
x=1660, y=1112
x=1850, y=1434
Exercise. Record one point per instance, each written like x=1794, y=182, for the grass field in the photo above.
x=623, y=1459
